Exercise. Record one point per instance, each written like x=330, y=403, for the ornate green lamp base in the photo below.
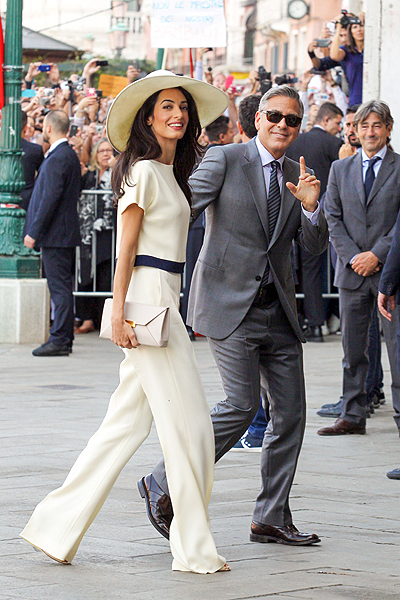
x=16, y=261
x=19, y=267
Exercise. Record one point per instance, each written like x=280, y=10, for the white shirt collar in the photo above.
x=57, y=143
x=266, y=156
x=381, y=154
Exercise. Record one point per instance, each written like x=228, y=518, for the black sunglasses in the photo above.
x=274, y=116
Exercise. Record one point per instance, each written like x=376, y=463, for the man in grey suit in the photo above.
x=243, y=299
x=361, y=205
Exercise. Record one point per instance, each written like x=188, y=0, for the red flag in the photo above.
x=1, y=65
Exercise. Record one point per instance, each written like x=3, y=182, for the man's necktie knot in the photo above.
x=372, y=161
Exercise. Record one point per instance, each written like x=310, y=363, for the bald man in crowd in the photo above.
x=52, y=224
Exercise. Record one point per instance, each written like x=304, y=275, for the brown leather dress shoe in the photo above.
x=158, y=505
x=289, y=534
x=342, y=427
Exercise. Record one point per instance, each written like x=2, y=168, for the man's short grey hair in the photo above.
x=379, y=108
x=282, y=90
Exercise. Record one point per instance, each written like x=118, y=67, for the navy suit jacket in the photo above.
x=32, y=158
x=52, y=218
x=390, y=278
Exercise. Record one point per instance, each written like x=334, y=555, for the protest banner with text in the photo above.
x=188, y=24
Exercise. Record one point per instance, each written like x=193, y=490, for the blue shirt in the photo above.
x=353, y=65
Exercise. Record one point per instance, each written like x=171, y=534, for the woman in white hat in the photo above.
x=154, y=123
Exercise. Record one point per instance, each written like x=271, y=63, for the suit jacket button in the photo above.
x=258, y=278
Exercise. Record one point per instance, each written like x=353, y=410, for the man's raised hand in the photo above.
x=308, y=188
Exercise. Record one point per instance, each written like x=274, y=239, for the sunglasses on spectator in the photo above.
x=273, y=116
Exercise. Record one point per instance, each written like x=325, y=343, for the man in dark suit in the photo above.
x=32, y=158
x=362, y=203
x=52, y=224
x=388, y=297
x=320, y=147
x=243, y=299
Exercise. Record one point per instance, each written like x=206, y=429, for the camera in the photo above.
x=347, y=20
x=323, y=43
x=315, y=71
x=101, y=63
x=77, y=86
x=265, y=80
x=44, y=68
x=73, y=130
x=285, y=80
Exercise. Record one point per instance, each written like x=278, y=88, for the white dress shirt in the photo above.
x=55, y=144
x=377, y=165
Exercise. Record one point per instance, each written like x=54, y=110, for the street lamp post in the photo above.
x=119, y=26
x=24, y=297
x=16, y=261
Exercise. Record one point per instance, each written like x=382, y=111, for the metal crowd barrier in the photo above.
x=95, y=292
x=328, y=294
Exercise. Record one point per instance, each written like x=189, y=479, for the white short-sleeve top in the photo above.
x=166, y=211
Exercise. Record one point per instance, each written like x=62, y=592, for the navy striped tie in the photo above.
x=273, y=206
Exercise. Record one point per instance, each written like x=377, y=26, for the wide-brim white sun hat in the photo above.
x=211, y=102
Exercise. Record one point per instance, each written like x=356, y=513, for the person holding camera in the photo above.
x=350, y=55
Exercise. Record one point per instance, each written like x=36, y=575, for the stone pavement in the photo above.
x=50, y=407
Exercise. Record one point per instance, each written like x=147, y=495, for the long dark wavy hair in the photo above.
x=143, y=145
x=351, y=45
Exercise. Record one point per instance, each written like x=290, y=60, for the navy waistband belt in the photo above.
x=143, y=260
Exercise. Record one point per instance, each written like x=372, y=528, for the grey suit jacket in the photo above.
x=356, y=225
x=229, y=183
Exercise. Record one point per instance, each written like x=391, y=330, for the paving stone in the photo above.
x=49, y=409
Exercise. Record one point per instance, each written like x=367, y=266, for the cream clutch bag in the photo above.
x=151, y=323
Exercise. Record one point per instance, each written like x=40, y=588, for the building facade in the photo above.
x=98, y=27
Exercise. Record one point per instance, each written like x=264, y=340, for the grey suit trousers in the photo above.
x=264, y=345
x=356, y=308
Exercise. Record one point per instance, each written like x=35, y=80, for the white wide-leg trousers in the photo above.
x=163, y=383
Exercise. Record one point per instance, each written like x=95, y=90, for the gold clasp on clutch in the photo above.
x=131, y=323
